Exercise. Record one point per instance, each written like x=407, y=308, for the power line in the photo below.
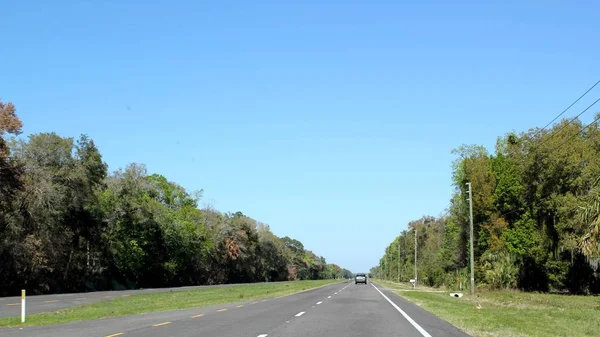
x=569, y=122
x=556, y=148
x=569, y=107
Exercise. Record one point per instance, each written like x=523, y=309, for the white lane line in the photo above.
x=300, y=314
x=320, y=302
x=328, y=296
x=263, y=335
x=410, y=320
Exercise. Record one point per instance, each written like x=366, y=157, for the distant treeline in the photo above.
x=67, y=225
x=536, y=206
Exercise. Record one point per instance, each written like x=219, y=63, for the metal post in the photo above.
x=390, y=267
x=415, y=284
x=398, y=261
x=23, y=306
x=471, y=239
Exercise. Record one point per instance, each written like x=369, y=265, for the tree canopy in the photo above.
x=68, y=225
x=535, y=211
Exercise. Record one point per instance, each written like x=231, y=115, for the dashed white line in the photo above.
x=320, y=302
x=328, y=296
x=410, y=320
x=300, y=314
x=263, y=335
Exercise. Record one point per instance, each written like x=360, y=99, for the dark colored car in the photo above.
x=360, y=278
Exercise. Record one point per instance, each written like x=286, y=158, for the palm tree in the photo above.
x=590, y=215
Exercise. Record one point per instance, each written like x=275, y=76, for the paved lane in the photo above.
x=362, y=311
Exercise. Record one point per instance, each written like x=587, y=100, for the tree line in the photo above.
x=68, y=225
x=536, y=207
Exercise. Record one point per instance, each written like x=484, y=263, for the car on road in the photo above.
x=360, y=278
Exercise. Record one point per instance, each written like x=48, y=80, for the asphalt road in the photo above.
x=11, y=306
x=338, y=310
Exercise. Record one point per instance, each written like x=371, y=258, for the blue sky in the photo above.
x=332, y=121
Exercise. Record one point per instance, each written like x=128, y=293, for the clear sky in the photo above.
x=332, y=121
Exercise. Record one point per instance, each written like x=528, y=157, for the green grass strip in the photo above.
x=167, y=301
x=511, y=313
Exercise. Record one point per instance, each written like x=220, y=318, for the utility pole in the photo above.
x=390, y=268
x=415, y=284
x=398, y=261
x=471, y=240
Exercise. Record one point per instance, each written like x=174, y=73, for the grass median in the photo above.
x=512, y=313
x=167, y=301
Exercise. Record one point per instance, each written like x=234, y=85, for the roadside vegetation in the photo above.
x=536, y=207
x=185, y=299
x=514, y=313
x=68, y=225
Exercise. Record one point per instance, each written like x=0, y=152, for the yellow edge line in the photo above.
x=221, y=310
x=116, y=334
x=161, y=324
x=199, y=315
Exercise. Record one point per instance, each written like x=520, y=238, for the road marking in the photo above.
x=264, y=300
x=320, y=302
x=80, y=298
x=125, y=295
x=313, y=306
x=263, y=335
x=239, y=306
x=253, y=302
x=335, y=294
x=107, y=296
x=13, y=303
x=221, y=310
x=53, y=301
x=300, y=314
x=115, y=334
x=199, y=315
x=410, y=320
x=328, y=296
x=161, y=324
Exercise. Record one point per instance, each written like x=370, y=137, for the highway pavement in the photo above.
x=337, y=310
